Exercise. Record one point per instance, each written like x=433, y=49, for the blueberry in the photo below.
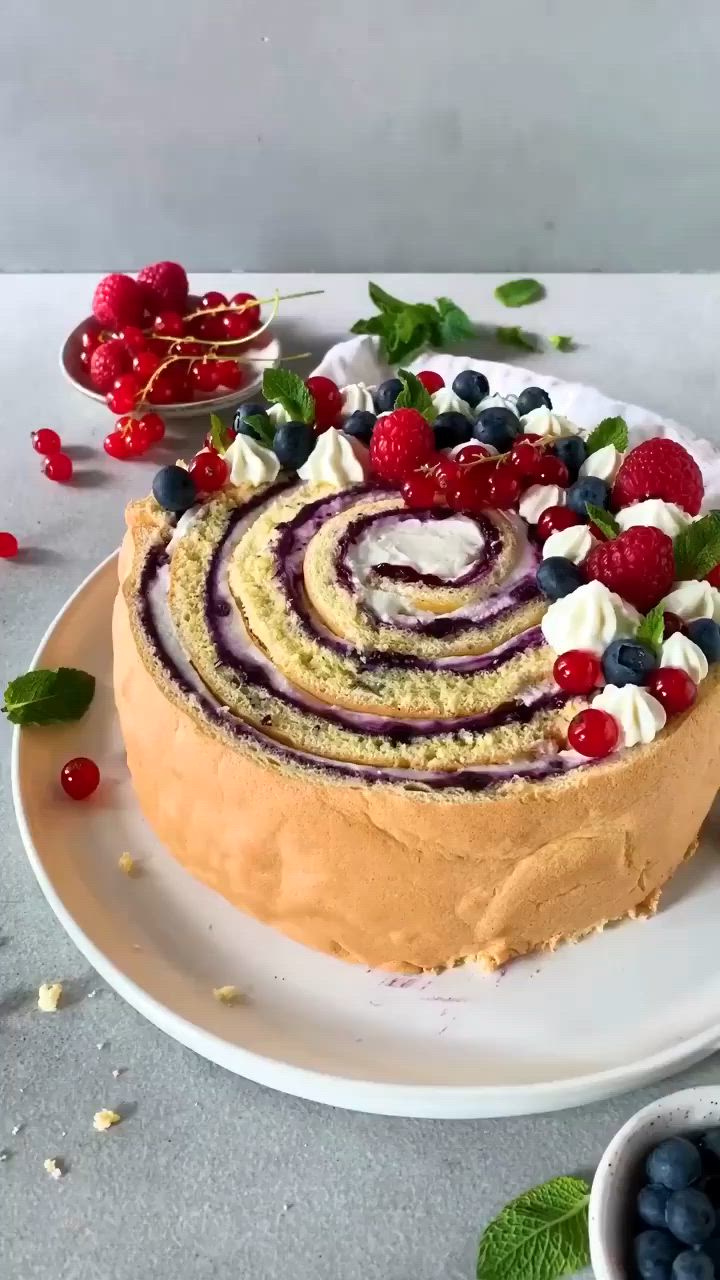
x=360, y=425
x=243, y=413
x=471, y=386
x=591, y=490
x=573, y=452
x=655, y=1252
x=706, y=635
x=247, y=410
x=675, y=1163
x=386, y=394
x=532, y=398
x=628, y=662
x=293, y=443
x=497, y=427
x=690, y=1215
x=174, y=489
x=450, y=429
x=651, y=1203
x=557, y=577
x=690, y=1265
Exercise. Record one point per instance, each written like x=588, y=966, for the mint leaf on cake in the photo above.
x=282, y=386
x=49, y=697
x=415, y=396
x=520, y=293
x=606, y=523
x=221, y=437
x=609, y=431
x=697, y=548
x=652, y=629
x=542, y=1235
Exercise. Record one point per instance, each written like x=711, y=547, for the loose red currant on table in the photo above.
x=8, y=546
x=144, y=365
x=213, y=299
x=236, y=325
x=252, y=313
x=230, y=375
x=170, y=324
x=673, y=688
x=551, y=470
x=116, y=445
x=421, y=490
x=553, y=519
x=577, y=671
x=204, y=375
x=58, y=467
x=328, y=401
x=79, y=778
x=124, y=394
x=593, y=733
x=208, y=470
x=46, y=441
x=154, y=426
x=431, y=380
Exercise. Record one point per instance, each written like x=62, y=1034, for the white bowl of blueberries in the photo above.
x=655, y=1204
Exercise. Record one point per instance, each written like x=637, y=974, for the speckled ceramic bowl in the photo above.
x=620, y=1173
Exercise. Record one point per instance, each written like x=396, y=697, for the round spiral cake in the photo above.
x=340, y=713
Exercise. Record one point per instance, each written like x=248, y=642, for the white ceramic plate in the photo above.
x=618, y=1010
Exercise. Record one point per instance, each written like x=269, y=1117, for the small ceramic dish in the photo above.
x=620, y=1173
x=257, y=356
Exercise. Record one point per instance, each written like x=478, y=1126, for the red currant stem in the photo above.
x=228, y=308
x=500, y=457
x=300, y=355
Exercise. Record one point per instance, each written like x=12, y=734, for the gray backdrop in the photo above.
x=360, y=134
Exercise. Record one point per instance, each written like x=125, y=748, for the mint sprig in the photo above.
x=519, y=293
x=604, y=521
x=263, y=428
x=415, y=396
x=282, y=386
x=697, y=547
x=609, y=431
x=652, y=629
x=221, y=437
x=49, y=697
x=542, y=1235
x=562, y=342
x=404, y=328
x=513, y=336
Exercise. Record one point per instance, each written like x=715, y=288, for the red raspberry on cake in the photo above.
x=401, y=442
x=108, y=362
x=659, y=468
x=638, y=566
x=117, y=301
x=164, y=286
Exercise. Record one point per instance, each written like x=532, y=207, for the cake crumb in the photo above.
x=4, y=1155
x=127, y=864
x=226, y=995
x=52, y=1167
x=105, y=1119
x=16, y=1129
x=92, y=993
x=49, y=994
x=117, y=1071
x=101, y=1044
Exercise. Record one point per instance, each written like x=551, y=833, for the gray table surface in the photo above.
x=209, y=1175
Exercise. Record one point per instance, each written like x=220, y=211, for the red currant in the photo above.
x=170, y=324
x=553, y=519
x=145, y=364
x=532, y=436
x=154, y=426
x=46, y=441
x=551, y=470
x=713, y=577
x=577, y=671
x=471, y=493
x=236, y=325
x=447, y=474
x=673, y=688
x=671, y=624
x=252, y=313
x=328, y=401
x=471, y=453
x=504, y=487
x=186, y=347
x=593, y=733
x=58, y=467
x=138, y=437
x=431, y=380
x=79, y=778
x=8, y=546
x=209, y=471
x=116, y=446
x=133, y=338
x=213, y=299
x=230, y=375
x=523, y=458
x=204, y=375
x=420, y=490
x=124, y=394
x=209, y=328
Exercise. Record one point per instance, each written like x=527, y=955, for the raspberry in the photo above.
x=401, y=442
x=118, y=301
x=659, y=469
x=107, y=362
x=164, y=287
x=638, y=566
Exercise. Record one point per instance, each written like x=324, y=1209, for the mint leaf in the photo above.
x=561, y=342
x=415, y=396
x=404, y=328
x=384, y=301
x=455, y=325
x=49, y=697
x=519, y=293
x=282, y=386
x=652, y=629
x=514, y=336
x=604, y=521
x=378, y=325
x=540, y=1236
x=221, y=437
x=263, y=428
x=697, y=548
x=609, y=431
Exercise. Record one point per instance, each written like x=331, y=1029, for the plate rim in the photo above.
x=388, y=1098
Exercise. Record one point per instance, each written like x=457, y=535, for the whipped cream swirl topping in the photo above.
x=538, y=498
x=356, y=396
x=589, y=618
x=445, y=401
x=572, y=544
x=665, y=516
x=250, y=463
x=693, y=599
x=680, y=651
x=545, y=422
x=639, y=715
x=337, y=460
x=604, y=464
